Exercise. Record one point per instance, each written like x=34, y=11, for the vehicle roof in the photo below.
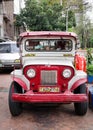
x=48, y=33
x=8, y=42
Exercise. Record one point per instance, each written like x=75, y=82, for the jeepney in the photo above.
x=48, y=74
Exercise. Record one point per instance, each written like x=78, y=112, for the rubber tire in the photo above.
x=14, y=107
x=81, y=107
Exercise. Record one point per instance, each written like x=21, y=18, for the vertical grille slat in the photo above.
x=48, y=77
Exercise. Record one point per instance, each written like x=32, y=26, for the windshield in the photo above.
x=48, y=45
x=14, y=48
x=8, y=48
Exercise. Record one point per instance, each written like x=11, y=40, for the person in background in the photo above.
x=38, y=46
x=60, y=45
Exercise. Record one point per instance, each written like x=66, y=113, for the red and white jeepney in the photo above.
x=48, y=73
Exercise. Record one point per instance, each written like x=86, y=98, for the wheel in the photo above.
x=14, y=107
x=81, y=107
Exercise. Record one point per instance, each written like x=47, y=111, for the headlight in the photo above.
x=66, y=73
x=31, y=73
x=17, y=61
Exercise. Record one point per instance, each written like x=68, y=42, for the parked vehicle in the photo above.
x=9, y=55
x=91, y=97
x=2, y=39
x=48, y=73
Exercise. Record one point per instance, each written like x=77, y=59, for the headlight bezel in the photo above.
x=31, y=73
x=67, y=73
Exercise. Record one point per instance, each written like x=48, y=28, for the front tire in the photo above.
x=14, y=107
x=81, y=107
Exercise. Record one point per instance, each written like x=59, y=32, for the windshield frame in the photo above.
x=52, y=43
x=8, y=48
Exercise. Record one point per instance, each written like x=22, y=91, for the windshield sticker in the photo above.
x=30, y=55
x=68, y=55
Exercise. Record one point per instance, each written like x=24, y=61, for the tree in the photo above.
x=45, y=15
x=80, y=7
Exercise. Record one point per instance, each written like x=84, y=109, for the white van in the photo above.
x=9, y=55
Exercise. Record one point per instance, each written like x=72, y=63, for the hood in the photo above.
x=9, y=56
x=48, y=62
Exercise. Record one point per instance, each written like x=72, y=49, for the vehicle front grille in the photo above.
x=48, y=77
x=7, y=61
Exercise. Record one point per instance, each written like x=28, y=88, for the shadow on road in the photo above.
x=47, y=115
x=7, y=71
x=48, y=108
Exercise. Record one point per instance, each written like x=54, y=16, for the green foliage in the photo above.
x=89, y=56
x=18, y=21
x=90, y=69
x=71, y=19
x=50, y=2
x=45, y=15
x=89, y=62
x=91, y=41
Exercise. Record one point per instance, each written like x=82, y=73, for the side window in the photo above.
x=64, y=45
x=32, y=45
x=5, y=48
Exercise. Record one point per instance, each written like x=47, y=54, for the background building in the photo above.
x=18, y=5
x=6, y=19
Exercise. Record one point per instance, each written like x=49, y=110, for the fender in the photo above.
x=21, y=83
x=78, y=83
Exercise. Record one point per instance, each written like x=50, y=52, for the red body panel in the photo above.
x=20, y=82
x=36, y=81
x=48, y=34
x=66, y=97
x=61, y=97
x=78, y=83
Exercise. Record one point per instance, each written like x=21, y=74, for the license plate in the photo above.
x=49, y=89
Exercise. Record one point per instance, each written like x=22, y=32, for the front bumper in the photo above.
x=66, y=97
x=9, y=65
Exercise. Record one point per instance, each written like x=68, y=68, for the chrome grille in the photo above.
x=48, y=77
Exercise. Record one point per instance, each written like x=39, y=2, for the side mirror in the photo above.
x=18, y=42
x=77, y=45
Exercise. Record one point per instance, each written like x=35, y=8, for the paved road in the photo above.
x=40, y=118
